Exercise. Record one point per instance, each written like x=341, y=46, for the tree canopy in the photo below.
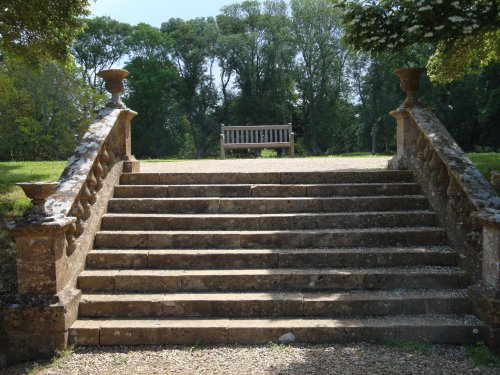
x=36, y=31
x=257, y=62
x=464, y=32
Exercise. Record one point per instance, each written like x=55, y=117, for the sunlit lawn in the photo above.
x=12, y=199
x=486, y=162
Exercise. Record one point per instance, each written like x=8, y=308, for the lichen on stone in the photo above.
x=80, y=164
x=478, y=190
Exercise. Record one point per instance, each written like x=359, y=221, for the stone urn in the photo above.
x=113, y=79
x=38, y=192
x=410, y=83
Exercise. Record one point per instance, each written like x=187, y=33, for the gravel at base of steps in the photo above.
x=268, y=165
x=351, y=359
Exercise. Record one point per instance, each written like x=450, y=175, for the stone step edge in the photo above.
x=355, y=295
x=338, y=197
x=423, y=270
x=432, y=328
x=278, y=231
x=332, y=250
x=285, y=185
x=268, y=215
x=278, y=177
x=268, y=258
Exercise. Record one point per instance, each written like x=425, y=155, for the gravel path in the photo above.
x=269, y=165
x=363, y=359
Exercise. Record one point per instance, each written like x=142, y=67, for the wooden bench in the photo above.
x=256, y=136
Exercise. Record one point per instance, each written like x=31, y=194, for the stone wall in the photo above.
x=466, y=203
x=53, y=239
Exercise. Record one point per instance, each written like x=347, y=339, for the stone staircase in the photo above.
x=256, y=257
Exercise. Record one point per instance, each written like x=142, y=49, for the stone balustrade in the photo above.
x=53, y=239
x=467, y=204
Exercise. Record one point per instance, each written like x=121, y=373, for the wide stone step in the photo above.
x=444, y=329
x=430, y=277
x=270, y=258
x=382, y=176
x=267, y=205
x=318, y=220
x=265, y=190
x=275, y=304
x=373, y=237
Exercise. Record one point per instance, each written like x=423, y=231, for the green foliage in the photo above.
x=277, y=64
x=158, y=132
x=37, y=31
x=102, y=44
x=196, y=346
x=320, y=76
x=281, y=347
x=486, y=162
x=193, y=51
x=257, y=51
x=464, y=32
x=410, y=346
x=56, y=362
x=483, y=356
x=43, y=112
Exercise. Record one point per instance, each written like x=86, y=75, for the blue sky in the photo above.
x=154, y=12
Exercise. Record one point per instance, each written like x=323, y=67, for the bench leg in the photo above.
x=222, y=150
x=292, y=151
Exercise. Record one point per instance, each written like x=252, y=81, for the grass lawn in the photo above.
x=486, y=162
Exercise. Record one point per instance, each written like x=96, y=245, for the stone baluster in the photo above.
x=111, y=155
x=435, y=168
x=78, y=212
x=98, y=173
x=85, y=196
x=421, y=144
x=70, y=239
x=427, y=158
x=104, y=159
x=443, y=180
x=92, y=184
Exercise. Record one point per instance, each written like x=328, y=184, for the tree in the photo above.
x=259, y=53
x=464, y=32
x=319, y=71
x=193, y=52
x=37, y=31
x=153, y=85
x=43, y=112
x=103, y=43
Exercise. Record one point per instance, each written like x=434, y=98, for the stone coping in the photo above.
x=479, y=191
x=79, y=165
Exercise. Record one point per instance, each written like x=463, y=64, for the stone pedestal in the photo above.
x=37, y=326
x=41, y=255
x=37, y=323
x=406, y=138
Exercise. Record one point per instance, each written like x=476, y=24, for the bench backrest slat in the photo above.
x=257, y=136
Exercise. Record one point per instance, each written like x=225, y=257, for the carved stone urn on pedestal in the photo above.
x=38, y=192
x=410, y=83
x=113, y=79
